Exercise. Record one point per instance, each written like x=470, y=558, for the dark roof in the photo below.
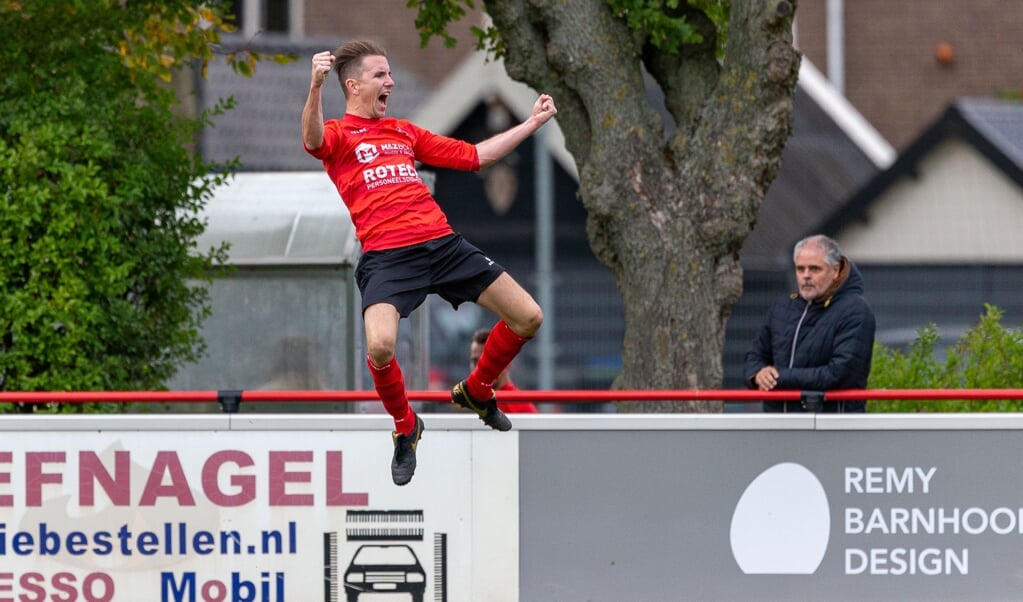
x=821, y=168
x=993, y=127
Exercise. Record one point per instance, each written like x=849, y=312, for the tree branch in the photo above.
x=687, y=77
x=600, y=94
x=758, y=79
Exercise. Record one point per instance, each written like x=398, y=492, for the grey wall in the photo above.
x=611, y=515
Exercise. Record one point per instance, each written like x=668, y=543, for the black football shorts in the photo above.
x=450, y=267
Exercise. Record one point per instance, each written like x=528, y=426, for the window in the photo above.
x=253, y=17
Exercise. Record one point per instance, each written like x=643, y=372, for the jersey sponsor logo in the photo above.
x=383, y=175
x=366, y=153
x=391, y=148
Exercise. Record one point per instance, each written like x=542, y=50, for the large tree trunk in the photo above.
x=668, y=213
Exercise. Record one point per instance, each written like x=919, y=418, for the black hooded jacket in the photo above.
x=833, y=339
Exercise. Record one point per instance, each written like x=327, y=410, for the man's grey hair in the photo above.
x=832, y=252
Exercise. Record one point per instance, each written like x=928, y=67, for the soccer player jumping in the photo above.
x=409, y=249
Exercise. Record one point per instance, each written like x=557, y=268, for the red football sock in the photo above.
x=390, y=385
x=500, y=349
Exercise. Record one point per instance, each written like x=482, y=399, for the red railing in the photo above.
x=230, y=399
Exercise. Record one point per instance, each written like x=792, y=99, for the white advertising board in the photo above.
x=259, y=511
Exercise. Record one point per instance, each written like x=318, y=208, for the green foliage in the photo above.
x=665, y=31
x=165, y=35
x=98, y=195
x=662, y=22
x=988, y=356
x=433, y=16
x=665, y=24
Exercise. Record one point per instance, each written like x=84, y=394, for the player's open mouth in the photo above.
x=382, y=100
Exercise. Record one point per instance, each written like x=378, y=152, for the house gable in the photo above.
x=957, y=208
x=954, y=196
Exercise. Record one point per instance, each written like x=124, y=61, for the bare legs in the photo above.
x=520, y=318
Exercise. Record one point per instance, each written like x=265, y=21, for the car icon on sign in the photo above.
x=381, y=569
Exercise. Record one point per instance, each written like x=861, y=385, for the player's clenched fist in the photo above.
x=544, y=108
x=322, y=63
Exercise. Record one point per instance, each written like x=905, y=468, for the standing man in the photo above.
x=409, y=250
x=819, y=338
x=503, y=382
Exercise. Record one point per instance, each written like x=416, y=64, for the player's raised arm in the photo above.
x=493, y=149
x=312, y=114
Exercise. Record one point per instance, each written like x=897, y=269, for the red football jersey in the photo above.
x=373, y=164
x=516, y=407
